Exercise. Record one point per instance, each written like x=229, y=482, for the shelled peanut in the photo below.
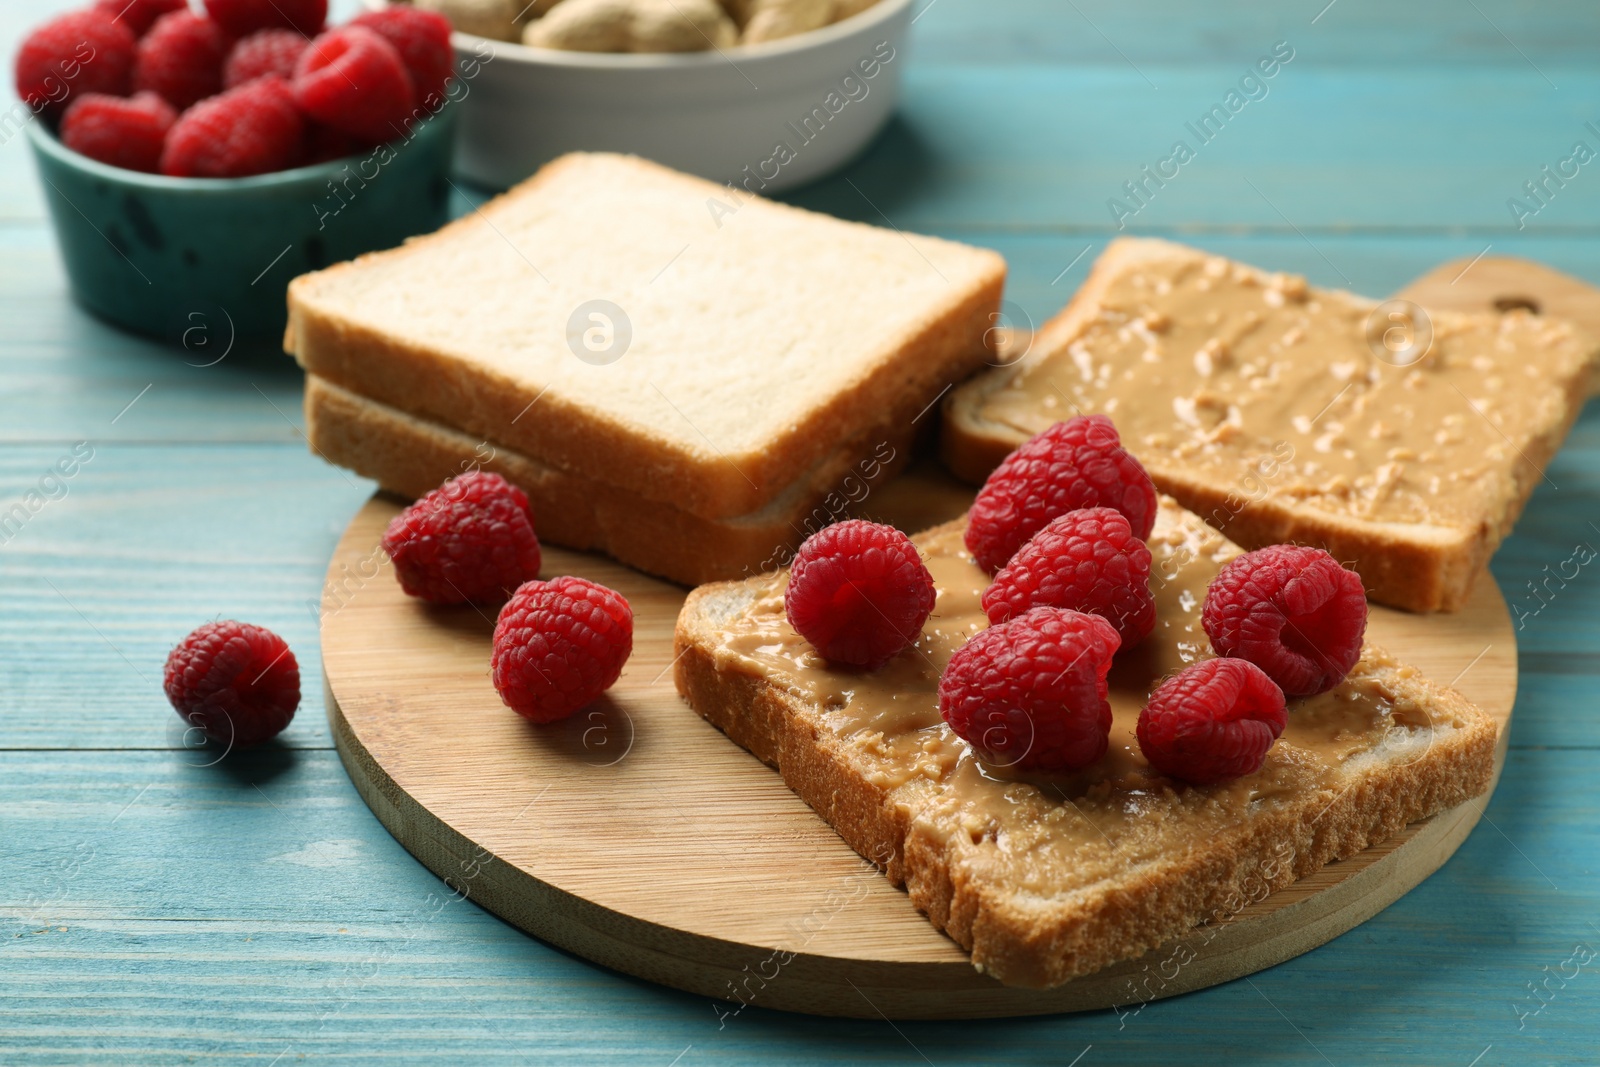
x=633, y=26
x=642, y=25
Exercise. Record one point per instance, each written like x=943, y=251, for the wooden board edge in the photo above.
x=724, y=971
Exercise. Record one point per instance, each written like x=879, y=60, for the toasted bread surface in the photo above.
x=691, y=343
x=1043, y=879
x=412, y=456
x=1273, y=410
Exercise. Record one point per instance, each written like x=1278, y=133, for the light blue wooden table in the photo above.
x=161, y=911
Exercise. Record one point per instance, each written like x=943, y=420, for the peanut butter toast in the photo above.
x=1280, y=412
x=1044, y=879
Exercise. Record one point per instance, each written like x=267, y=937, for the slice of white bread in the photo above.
x=760, y=335
x=1045, y=879
x=411, y=456
x=1260, y=404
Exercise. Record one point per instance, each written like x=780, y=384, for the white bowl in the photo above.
x=767, y=116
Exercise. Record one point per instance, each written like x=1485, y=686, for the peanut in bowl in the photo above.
x=765, y=115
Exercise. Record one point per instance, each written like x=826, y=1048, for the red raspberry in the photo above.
x=126, y=132
x=237, y=683
x=1087, y=560
x=859, y=592
x=423, y=40
x=1212, y=721
x=79, y=52
x=139, y=15
x=558, y=645
x=354, y=80
x=243, y=17
x=1293, y=612
x=1031, y=693
x=253, y=129
x=1075, y=464
x=471, y=539
x=262, y=53
x=181, y=58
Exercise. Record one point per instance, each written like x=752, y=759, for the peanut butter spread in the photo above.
x=1119, y=810
x=1222, y=372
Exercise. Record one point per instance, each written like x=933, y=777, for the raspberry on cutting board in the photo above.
x=1212, y=722
x=1087, y=560
x=558, y=645
x=1079, y=463
x=471, y=539
x=126, y=132
x=1031, y=693
x=1293, y=611
x=79, y=52
x=859, y=592
x=253, y=129
x=237, y=683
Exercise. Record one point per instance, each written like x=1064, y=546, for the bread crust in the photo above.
x=1029, y=945
x=387, y=366
x=408, y=456
x=1420, y=572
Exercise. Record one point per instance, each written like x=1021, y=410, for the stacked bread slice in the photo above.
x=680, y=374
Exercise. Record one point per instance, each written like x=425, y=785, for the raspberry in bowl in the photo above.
x=189, y=178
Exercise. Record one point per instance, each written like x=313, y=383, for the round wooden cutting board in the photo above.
x=640, y=837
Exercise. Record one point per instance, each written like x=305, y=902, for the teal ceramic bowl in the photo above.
x=165, y=256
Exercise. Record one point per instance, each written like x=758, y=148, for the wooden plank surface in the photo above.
x=191, y=936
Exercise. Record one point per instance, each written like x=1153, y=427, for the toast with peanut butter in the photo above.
x=412, y=456
x=1045, y=878
x=1404, y=444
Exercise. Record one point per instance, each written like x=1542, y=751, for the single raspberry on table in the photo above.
x=558, y=645
x=126, y=132
x=253, y=129
x=242, y=17
x=263, y=52
x=1087, y=560
x=423, y=40
x=471, y=539
x=859, y=592
x=1212, y=721
x=1293, y=611
x=1031, y=693
x=79, y=52
x=354, y=80
x=237, y=683
x=139, y=15
x=181, y=58
x=1079, y=463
